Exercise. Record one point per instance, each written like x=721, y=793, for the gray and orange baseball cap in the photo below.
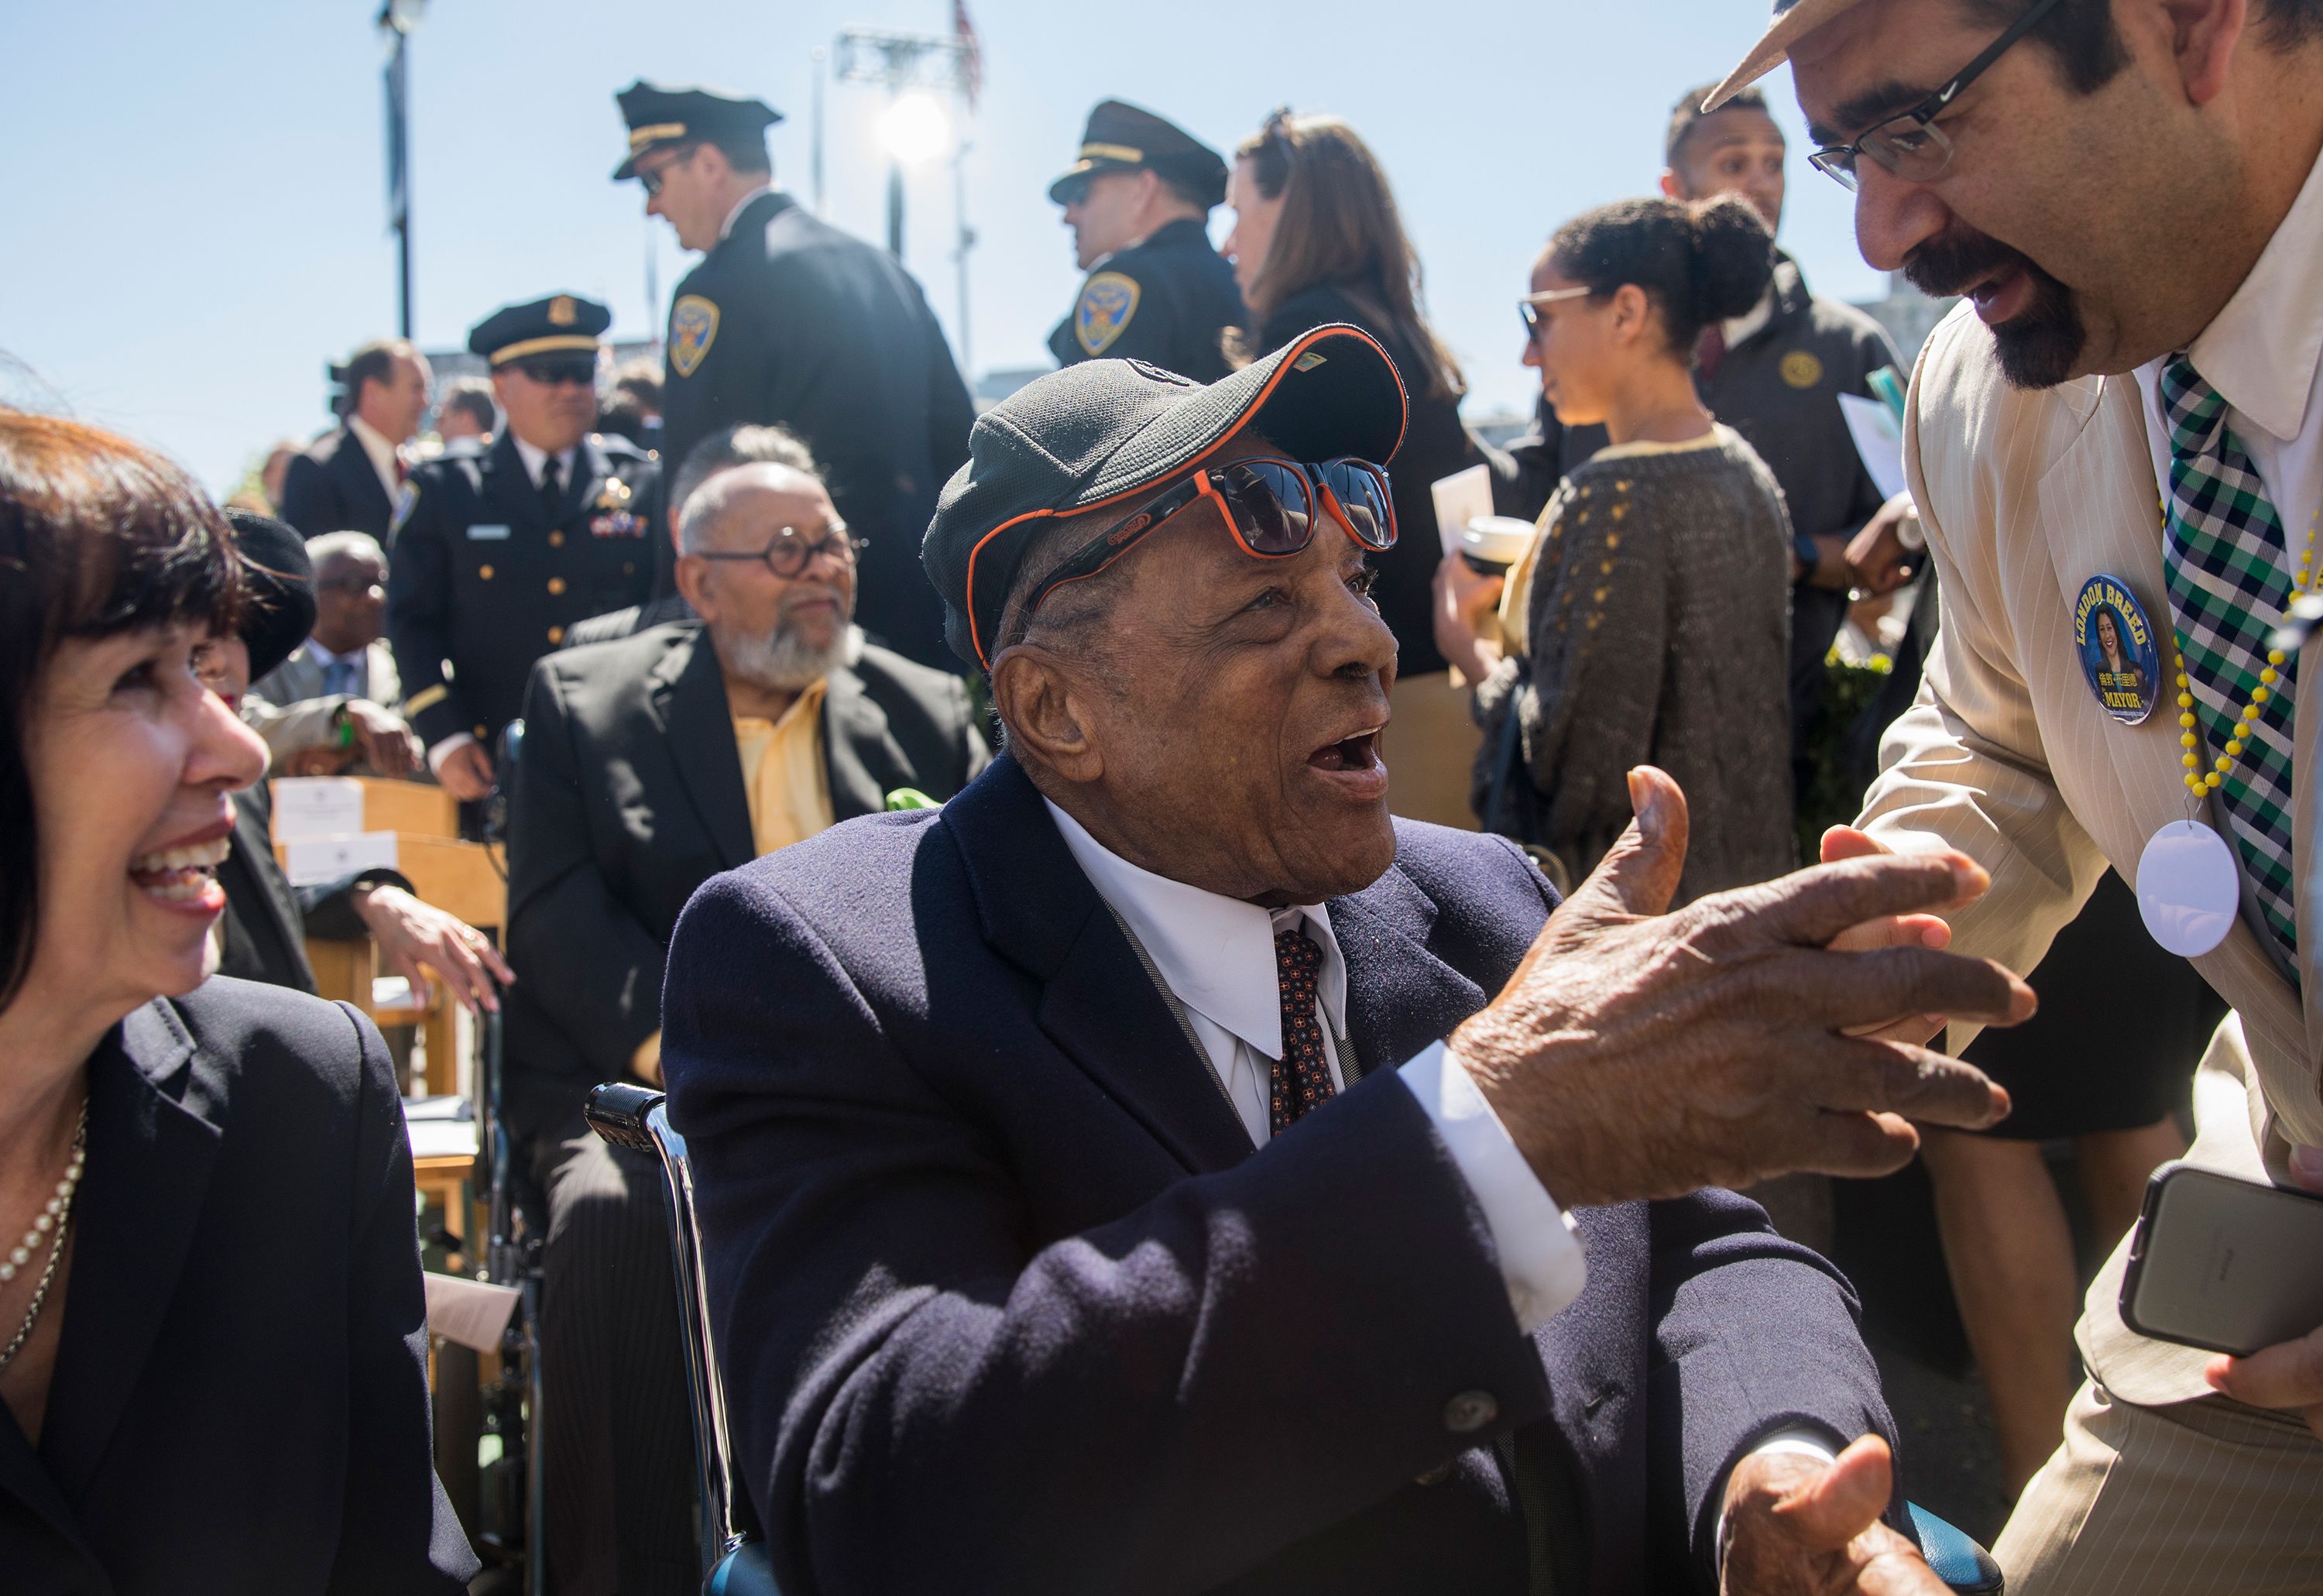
x=1107, y=431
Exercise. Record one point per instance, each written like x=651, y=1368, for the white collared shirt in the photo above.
x=534, y=458
x=1217, y=955
x=727, y=228
x=1738, y=330
x=385, y=459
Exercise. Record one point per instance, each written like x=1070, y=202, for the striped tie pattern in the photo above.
x=2228, y=575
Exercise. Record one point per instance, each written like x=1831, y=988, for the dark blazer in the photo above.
x=629, y=795
x=487, y=578
x=1435, y=445
x=268, y=920
x=790, y=320
x=240, y=1396
x=1007, y=1302
x=330, y=487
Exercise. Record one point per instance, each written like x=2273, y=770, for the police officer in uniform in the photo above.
x=498, y=551
x=789, y=321
x=1138, y=201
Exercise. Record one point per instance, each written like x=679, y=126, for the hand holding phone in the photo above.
x=2225, y=1264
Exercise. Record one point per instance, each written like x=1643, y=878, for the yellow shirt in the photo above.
x=783, y=773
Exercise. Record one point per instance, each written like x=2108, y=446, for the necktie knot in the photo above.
x=552, y=484
x=2193, y=408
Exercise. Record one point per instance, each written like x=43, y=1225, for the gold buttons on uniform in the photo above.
x=484, y=573
x=555, y=584
x=556, y=540
x=557, y=634
x=480, y=731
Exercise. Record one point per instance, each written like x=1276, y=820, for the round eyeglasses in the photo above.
x=791, y=550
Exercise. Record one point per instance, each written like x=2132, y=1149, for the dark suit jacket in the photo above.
x=1007, y=1301
x=330, y=487
x=791, y=321
x=240, y=1396
x=629, y=795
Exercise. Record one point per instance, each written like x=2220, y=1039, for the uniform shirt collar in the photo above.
x=2262, y=351
x=735, y=215
x=533, y=458
x=1216, y=954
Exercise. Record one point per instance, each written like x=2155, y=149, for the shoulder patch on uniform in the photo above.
x=692, y=324
x=1801, y=369
x=1108, y=301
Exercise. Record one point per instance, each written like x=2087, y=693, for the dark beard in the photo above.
x=2039, y=346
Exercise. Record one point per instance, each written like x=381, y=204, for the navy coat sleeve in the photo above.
x=419, y=625
x=925, y=1399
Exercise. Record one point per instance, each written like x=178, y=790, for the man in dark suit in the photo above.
x=790, y=321
x=1118, y=1180
x=649, y=765
x=504, y=549
x=1138, y=201
x=350, y=480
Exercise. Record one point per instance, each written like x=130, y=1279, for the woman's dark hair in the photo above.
x=1699, y=262
x=97, y=536
x=1340, y=225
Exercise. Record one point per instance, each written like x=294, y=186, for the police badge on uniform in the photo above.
x=692, y=324
x=1108, y=301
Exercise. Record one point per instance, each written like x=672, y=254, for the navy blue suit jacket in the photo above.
x=1007, y=1302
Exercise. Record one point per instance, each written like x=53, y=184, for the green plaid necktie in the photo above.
x=2230, y=583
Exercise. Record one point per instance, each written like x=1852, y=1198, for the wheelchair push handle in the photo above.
x=617, y=1112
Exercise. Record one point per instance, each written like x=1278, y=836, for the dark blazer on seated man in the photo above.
x=1008, y=1302
x=629, y=795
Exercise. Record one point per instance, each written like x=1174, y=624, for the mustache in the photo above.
x=1957, y=258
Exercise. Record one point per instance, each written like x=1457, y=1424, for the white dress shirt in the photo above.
x=1217, y=955
x=384, y=458
x=726, y=227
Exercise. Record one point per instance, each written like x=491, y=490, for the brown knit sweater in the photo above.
x=1653, y=621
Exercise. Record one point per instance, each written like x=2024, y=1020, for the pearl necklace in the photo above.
x=48, y=1230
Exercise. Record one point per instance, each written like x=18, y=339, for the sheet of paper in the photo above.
x=317, y=806
x=1461, y=498
x=310, y=861
x=469, y=1313
x=441, y=1138
x=1879, y=439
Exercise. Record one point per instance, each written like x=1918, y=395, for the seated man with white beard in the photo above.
x=650, y=763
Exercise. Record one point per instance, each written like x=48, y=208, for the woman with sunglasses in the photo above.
x=1318, y=240
x=213, y=1339
x=1649, y=623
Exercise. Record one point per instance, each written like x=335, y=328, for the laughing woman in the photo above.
x=212, y=1337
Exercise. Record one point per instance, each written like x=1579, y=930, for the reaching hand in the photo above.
x=2290, y=1374
x=1639, y=1054
x=1798, y=1528
x=387, y=743
x=1877, y=559
x=467, y=773
x=1464, y=597
x=414, y=939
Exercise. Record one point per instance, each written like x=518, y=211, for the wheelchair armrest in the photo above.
x=1953, y=1557
x=617, y=1112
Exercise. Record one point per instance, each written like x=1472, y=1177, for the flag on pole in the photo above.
x=971, y=52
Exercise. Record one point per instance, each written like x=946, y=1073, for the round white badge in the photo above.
x=2188, y=889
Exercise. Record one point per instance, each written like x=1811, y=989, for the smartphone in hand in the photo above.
x=2225, y=1264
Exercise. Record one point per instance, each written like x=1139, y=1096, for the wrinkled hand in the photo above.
x=2290, y=1374
x=1464, y=597
x=1641, y=1054
x=467, y=773
x=1877, y=559
x=1798, y=1528
x=415, y=939
x=386, y=743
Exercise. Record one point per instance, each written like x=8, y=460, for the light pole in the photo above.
x=915, y=68
x=397, y=19
x=913, y=130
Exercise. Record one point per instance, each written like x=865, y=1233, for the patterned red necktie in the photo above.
x=1302, y=1076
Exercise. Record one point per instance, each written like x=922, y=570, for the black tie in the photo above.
x=552, y=491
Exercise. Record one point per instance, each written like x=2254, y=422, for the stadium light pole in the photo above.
x=397, y=19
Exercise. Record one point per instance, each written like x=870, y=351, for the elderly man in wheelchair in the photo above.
x=1122, y=1178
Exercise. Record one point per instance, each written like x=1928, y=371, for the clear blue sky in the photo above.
x=197, y=223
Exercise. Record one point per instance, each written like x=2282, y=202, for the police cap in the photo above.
x=559, y=324
x=1122, y=138
x=1110, y=431
x=661, y=116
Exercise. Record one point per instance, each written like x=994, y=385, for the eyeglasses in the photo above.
x=1910, y=144
x=549, y=371
x=1269, y=504
x=790, y=553
x=652, y=177
x=1528, y=307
